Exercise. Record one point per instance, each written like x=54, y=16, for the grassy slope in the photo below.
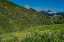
x=48, y=27
x=15, y=18
x=45, y=27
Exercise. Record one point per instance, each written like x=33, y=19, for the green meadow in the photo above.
x=33, y=34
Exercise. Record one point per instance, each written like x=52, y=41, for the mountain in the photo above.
x=46, y=12
x=15, y=18
x=51, y=13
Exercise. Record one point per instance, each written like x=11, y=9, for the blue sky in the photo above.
x=54, y=5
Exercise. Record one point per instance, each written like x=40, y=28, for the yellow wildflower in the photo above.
x=48, y=30
x=23, y=33
x=36, y=30
x=17, y=34
x=41, y=31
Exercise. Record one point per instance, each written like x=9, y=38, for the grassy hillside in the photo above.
x=15, y=18
x=54, y=32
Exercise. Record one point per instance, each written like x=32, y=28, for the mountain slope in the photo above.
x=15, y=18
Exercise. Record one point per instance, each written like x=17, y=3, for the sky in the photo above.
x=54, y=5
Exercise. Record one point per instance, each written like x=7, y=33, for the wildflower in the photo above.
x=50, y=33
x=48, y=30
x=63, y=35
x=30, y=34
x=36, y=30
x=17, y=34
x=23, y=33
x=40, y=31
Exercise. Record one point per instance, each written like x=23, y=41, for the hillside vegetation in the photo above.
x=15, y=18
x=60, y=20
